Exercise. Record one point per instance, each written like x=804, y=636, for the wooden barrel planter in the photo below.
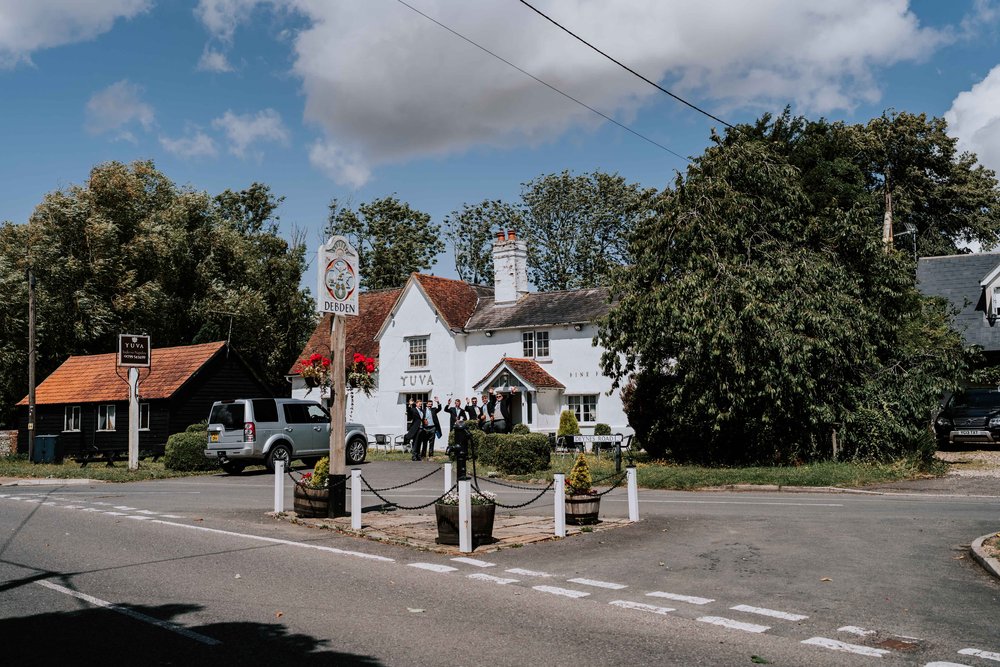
x=482, y=523
x=311, y=503
x=582, y=510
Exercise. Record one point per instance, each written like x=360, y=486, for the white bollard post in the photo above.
x=633, y=494
x=465, y=516
x=355, y=499
x=279, y=486
x=447, y=477
x=559, y=484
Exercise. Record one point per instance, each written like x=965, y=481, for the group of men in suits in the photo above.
x=423, y=426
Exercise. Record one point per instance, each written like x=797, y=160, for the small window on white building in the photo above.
x=144, y=416
x=535, y=344
x=105, y=418
x=584, y=407
x=71, y=418
x=418, y=352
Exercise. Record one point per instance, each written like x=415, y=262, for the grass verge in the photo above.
x=21, y=467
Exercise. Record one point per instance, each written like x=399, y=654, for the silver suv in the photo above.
x=246, y=431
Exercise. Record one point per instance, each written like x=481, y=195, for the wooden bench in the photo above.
x=93, y=454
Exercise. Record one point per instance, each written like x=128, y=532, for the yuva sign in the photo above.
x=133, y=351
x=337, y=291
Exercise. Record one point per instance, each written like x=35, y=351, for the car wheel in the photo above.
x=356, y=450
x=231, y=468
x=278, y=453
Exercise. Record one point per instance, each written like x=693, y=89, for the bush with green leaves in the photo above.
x=579, y=480
x=185, y=451
x=516, y=454
x=568, y=425
x=520, y=429
x=602, y=429
x=321, y=473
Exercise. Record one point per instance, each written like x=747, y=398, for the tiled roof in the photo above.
x=455, y=299
x=373, y=308
x=957, y=279
x=528, y=370
x=93, y=378
x=542, y=309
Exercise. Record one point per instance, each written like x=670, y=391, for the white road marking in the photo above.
x=173, y=627
x=680, y=598
x=115, y=513
x=945, y=664
x=844, y=647
x=489, y=577
x=985, y=655
x=565, y=592
x=125, y=508
x=147, y=512
x=734, y=625
x=137, y=518
x=172, y=516
x=275, y=540
x=474, y=561
x=434, y=567
x=855, y=630
x=92, y=509
x=773, y=613
x=641, y=606
x=528, y=573
x=739, y=502
x=598, y=584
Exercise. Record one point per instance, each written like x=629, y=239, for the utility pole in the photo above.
x=31, y=365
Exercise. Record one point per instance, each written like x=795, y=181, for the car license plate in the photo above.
x=214, y=437
x=967, y=432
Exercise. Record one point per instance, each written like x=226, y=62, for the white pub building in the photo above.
x=446, y=339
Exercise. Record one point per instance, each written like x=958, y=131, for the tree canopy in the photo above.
x=129, y=251
x=392, y=239
x=761, y=312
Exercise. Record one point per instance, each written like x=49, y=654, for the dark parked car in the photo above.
x=970, y=416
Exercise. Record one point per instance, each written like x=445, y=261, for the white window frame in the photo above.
x=535, y=344
x=106, y=417
x=528, y=344
x=539, y=337
x=579, y=404
x=71, y=419
x=416, y=353
x=144, y=416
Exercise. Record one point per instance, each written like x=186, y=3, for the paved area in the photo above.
x=420, y=530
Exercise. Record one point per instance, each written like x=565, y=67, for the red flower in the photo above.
x=326, y=362
x=370, y=366
x=315, y=357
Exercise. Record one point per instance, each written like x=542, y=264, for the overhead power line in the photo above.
x=544, y=83
x=623, y=65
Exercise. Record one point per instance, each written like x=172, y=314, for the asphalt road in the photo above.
x=192, y=571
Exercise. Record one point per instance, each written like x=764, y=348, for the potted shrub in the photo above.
x=582, y=501
x=568, y=427
x=483, y=510
x=312, y=492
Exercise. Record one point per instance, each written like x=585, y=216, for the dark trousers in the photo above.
x=425, y=443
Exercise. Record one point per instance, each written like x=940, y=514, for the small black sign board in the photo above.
x=134, y=350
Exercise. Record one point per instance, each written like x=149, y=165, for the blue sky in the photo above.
x=364, y=98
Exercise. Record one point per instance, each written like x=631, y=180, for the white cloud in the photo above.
x=385, y=85
x=341, y=167
x=196, y=145
x=27, y=26
x=116, y=109
x=974, y=119
x=214, y=61
x=246, y=129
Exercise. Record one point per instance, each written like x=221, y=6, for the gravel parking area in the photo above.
x=977, y=463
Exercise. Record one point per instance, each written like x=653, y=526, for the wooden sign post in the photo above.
x=337, y=293
x=134, y=352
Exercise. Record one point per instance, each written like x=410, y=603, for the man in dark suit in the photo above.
x=500, y=420
x=413, y=409
x=455, y=411
x=474, y=411
x=431, y=426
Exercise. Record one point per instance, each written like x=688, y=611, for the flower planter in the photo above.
x=582, y=510
x=311, y=503
x=482, y=523
x=311, y=382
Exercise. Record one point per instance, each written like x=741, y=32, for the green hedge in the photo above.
x=511, y=454
x=185, y=451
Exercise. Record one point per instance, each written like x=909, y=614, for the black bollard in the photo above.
x=338, y=496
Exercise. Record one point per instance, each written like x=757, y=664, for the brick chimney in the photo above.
x=510, y=267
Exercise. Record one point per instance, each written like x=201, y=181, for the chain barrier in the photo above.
x=298, y=481
x=475, y=486
x=509, y=486
x=400, y=486
x=621, y=477
x=390, y=503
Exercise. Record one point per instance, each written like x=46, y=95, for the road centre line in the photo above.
x=473, y=561
x=946, y=664
x=680, y=598
x=844, y=647
x=434, y=567
x=97, y=602
x=565, y=592
x=275, y=540
x=641, y=606
x=773, y=613
x=489, y=577
x=528, y=573
x=598, y=584
x=855, y=630
x=985, y=655
x=734, y=625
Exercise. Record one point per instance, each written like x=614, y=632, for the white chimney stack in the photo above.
x=510, y=267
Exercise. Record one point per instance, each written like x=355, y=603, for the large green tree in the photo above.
x=472, y=230
x=392, y=239
x=129, y=251
x=760, y=316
